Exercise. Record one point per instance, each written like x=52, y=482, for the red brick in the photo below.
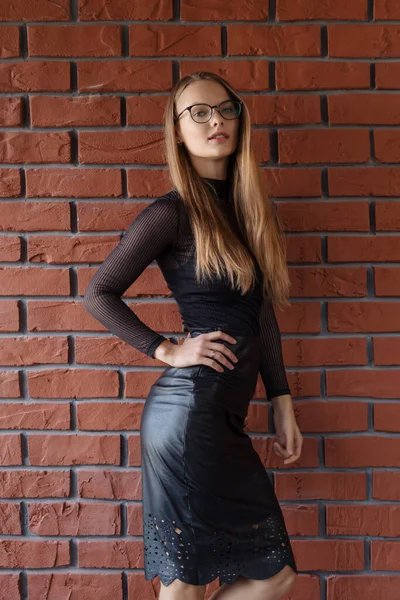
x=135, y=519
x=327, y=416
x=10, y=449
x=22, y=415
x=293, y=183
x=320, y=75
x=10, y=112
x=363, y=41
x=84, y=111
x=67, y=586
x=9, y=316
x=274, y=40
x=387, y=417
x=387, y=281
x=386, y=485
x=387, y=215
x=74, y=518
x=301, y=520
x=9, y=586
x=386, y=146
x=386, y=350
x=359, y=181
x=35, y=147
x=320, y=486
x=387, y=76
x=10, y=248
x=80, y=40
x=78, y=183
x=362, y=451
x=35, y=216
x=287, y=109
x=386, y=9
x=251, y=76
x=363, y=248
x=286, y=10
x=364, y=109
x=363, y=586
x=303, y=248
x=72, y=449
x=331, y=281
x=10, y=519
x=108, y=416
x=382, y=520
x=66, y=249
x=329, y=555
x=10, y=386
x=94, y=10
x=9, y=41
x=225, y=11
x=174, y=40
x=35, y=76
x=40, y=10
x=324, y=216
x=121, y=554
x=323, y=146
x=385, y=556
x=304, y=383
x=73, y=383
x=363, y=316
x=130, y=147
x=308, y=352
x=33, y=350
x=30, y=554
x=22, y=281
x=113, y=485
x=134, y=450
x=364, y=383
x=300, y=317
x=124, y=76
x=34, y=484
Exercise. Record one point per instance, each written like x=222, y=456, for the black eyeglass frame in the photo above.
x=212, y=110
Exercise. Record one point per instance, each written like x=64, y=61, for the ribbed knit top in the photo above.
x=162, y=233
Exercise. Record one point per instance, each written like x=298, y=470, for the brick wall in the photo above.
x=82, y=92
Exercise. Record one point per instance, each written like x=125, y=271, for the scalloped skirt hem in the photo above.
x=255, y=573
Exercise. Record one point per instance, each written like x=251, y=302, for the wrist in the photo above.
x=164, y=351
x=283, y=400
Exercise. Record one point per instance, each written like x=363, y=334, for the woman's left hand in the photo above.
x=288, y=440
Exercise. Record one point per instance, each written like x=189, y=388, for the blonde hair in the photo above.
x=219, y=250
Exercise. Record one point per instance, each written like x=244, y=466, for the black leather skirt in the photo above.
x=209, y=508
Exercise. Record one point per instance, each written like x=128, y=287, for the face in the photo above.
x=209, y=158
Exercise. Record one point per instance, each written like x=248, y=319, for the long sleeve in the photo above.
x=148, y=236
x=272, y=368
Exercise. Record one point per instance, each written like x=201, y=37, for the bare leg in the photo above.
x=273, y=588
x=178, y=590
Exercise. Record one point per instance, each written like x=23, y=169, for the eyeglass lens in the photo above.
x=201, y=113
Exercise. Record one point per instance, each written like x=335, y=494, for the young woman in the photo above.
x=209, y=508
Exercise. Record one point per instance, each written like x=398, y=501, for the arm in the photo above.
x=272, y=368
x=149, y=234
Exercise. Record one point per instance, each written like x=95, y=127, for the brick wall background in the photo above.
x=82, y=91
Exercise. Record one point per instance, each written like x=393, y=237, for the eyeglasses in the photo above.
x=201, y=113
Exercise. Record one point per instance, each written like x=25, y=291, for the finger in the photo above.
x=282, y=449
x=223, y=351
x=215, y=335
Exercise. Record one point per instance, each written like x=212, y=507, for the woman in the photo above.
x=209, y=508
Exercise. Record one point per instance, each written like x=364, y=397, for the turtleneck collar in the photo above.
x=220, y=185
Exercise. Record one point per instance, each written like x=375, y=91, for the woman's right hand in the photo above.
x=200, y=350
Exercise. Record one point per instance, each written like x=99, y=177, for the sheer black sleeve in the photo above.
x=148, y=236
x=271, y=368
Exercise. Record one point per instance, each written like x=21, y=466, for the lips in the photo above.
x=217, y=133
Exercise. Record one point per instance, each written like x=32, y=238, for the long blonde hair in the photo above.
x=218, y=249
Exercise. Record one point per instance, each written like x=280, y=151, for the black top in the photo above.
x=162, y=232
